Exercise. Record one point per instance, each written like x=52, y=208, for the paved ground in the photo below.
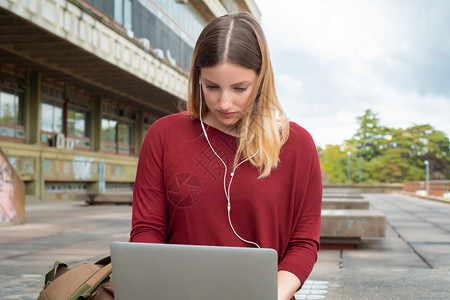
x=412, y=262
x=68, y=231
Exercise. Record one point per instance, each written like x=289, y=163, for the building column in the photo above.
x=96, y=138
x=138, y=130
x=32, y=113
x=96, y=124
x=32, y=109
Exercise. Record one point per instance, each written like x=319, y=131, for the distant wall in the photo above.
x=369, y=188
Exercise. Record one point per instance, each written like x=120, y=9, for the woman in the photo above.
x=232, y=170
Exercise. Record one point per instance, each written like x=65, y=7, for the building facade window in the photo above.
x=76, y=121
x=183, y=15
x=78, y=126
x=66, y=113
x=109, y=129
x=170, y=26
x=125, y=139
x=11, y=114
x=118, y=134
x=105, y=6
x=78, y=118
x=127, y=14
x=9, y=108
x=52, y=114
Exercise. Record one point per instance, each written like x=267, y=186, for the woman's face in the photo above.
x=226, y=88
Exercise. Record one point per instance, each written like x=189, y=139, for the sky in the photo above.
x=334, y=59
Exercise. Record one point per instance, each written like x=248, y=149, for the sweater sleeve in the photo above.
x=301, y=252
x=149, y=214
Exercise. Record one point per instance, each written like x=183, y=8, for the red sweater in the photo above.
x=179, y=194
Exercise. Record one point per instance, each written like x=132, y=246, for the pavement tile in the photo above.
x=411, y=262
x=328, y=259
x=26, y=286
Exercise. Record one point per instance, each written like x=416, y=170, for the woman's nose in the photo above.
x=225, y=101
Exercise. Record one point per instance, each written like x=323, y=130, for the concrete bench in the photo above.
x=350, y=225
x=349, y=193
x=342, y=203
x=118, y=197
x=336, y=194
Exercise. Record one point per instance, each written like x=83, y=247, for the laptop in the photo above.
x=162, y=272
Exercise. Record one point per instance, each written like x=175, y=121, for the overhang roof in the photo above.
x=34, y=49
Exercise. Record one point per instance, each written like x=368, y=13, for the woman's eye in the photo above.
x=240, y=89
x=211, y=86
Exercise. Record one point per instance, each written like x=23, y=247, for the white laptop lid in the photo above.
x=162, y=271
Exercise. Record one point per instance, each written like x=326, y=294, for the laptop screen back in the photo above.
x=162, y=271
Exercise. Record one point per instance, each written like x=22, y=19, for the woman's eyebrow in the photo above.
x=234, y=84
x=209, y=81
x=242, y=82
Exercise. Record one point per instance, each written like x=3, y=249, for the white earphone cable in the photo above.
x=227, y=191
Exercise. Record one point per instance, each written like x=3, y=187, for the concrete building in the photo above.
x=81, y=82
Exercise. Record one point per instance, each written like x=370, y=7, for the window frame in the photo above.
x=13, y=132
x=80, y=142
x=116, y=147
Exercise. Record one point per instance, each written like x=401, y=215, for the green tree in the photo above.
x=334, y=162
x=393, y=166
x=423, y=142
x=369, y=136
x=403, y=158
x=368, y=142
x=398, y=159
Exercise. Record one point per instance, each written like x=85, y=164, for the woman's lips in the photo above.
x=227, y=114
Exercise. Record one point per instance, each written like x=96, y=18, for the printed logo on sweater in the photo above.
x=184, y=190
x=210, y=164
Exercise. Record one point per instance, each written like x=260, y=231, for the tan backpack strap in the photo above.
x=104, y=261
x=59, y=268
x=93, y=282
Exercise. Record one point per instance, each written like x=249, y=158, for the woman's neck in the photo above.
x=231, y=130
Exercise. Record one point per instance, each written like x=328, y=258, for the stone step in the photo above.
x=339, y=224
x=341, y=195
x=342, y=203
x=350, y=193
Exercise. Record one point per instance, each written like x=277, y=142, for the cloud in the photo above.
x=289, y=88
x=330, y=30
x=335, y=59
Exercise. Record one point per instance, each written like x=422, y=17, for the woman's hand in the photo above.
x=288, y=284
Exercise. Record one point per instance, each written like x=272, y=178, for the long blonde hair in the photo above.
x=238, y=38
